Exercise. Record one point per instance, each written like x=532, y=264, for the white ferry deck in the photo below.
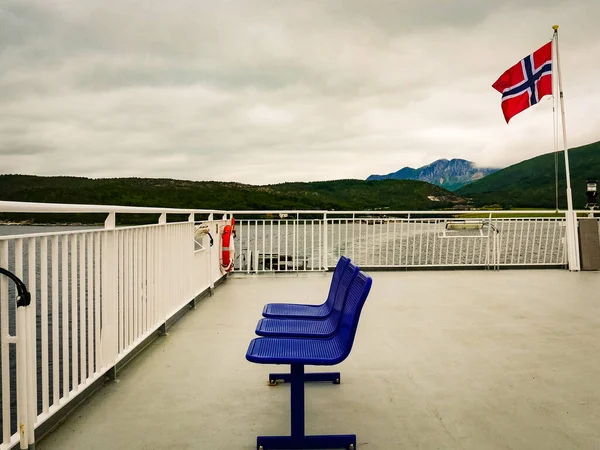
x=442, y=360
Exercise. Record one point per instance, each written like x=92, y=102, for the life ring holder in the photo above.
x=227, y=260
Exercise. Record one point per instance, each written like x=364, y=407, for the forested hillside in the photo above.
x=531, y=183
x=324, y=195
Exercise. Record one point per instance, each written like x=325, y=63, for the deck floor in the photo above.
x=442, y=360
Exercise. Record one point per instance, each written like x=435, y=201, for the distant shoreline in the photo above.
x=24, y=223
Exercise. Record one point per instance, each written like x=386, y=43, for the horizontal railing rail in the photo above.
x=30, y=207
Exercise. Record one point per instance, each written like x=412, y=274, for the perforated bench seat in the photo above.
x=311, y=352
x=296, y=328
x=295, y=310
x=298, y=311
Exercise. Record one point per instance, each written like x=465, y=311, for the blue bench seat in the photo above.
x=312, y=352
x=298, y=311
x=320, y=328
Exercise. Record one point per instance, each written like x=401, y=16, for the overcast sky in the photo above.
x=270, y=91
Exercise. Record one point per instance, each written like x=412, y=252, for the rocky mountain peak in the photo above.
x=450, y=174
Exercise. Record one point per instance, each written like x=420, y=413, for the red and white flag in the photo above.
x=525, y=83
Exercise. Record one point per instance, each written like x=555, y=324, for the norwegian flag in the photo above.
x=525, y=83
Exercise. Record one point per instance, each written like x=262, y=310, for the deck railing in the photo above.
x=98, y=294
x=308, y=241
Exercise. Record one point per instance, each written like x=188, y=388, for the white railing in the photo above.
x=308, y=240
x=96, y=295
x=427, y=242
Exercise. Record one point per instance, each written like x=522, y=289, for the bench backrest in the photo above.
x=335, y=280
x=358, y=292
x=343, y=289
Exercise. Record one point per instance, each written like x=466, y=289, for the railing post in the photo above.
x=572, y=241
x=32, y=343
x=165, y=242
x=190, y=270
x=211, y=283
x=111, y=221
x=109, y=328
x=22, y=377
x=24, y=371
x=325, y=247
x=5, y=346
x=297, y=243
x=487, y=256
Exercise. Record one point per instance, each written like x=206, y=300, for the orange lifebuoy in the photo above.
x=227, y=248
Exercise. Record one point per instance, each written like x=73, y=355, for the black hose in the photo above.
x=23, y=297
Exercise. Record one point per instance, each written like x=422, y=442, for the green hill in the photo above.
x=327, y=195
x=531, y=183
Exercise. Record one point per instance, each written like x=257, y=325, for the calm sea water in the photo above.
x=10, y=230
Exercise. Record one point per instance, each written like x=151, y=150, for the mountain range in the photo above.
x=449, y=174
x=528, y=184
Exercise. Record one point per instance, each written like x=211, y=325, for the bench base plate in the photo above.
x=345, y=441
x=331, y=377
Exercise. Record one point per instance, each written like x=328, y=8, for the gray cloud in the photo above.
x=269, y=91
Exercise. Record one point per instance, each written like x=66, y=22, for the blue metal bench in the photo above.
x=296, y=311
x=315, y=328
x=299, y=352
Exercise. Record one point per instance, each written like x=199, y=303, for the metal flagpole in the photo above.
x=555, y=132
x=571, y=215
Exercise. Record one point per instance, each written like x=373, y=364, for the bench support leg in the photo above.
x=298, y=439
x=297, y=400
x=331, y=377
